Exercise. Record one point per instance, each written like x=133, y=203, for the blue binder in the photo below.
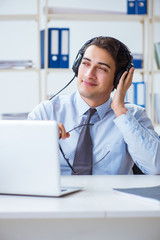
x=140, y=94
x=137, y=94
x=54, y=48
x=64, y=47
x=137, y=60
x=131, y=6
x=130, y=94
x=141, y=7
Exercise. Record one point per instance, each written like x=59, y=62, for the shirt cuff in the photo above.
x=126, y=122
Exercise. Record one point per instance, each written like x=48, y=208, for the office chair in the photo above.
x=136, y=170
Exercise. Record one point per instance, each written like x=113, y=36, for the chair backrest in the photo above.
x=136, y=170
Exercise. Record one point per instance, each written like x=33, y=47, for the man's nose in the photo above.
x=91, y=72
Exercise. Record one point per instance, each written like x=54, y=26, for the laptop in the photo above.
x=29, y=159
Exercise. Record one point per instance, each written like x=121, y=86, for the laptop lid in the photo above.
x=29, y=158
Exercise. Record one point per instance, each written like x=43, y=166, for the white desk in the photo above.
x=94, y=213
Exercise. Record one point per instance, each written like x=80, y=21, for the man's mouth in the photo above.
x=89, y=83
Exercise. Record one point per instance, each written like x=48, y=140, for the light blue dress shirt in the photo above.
x=129, y=138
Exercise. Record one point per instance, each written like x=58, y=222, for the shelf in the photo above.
x=18, y=17
x=19, y=70
x=50, y=70
x=141, y=70
x=156, y=18
x=96, y=17
x=156, y=71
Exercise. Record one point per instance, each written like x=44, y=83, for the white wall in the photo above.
x=18, y=40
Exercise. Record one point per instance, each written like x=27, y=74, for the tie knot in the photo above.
x=90, y=114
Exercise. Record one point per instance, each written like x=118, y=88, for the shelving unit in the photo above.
x=146, y=36
x=26, y=18
x=99, y=16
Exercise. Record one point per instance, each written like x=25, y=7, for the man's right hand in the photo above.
x=62, y=132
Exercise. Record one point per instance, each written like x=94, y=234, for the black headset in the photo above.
x=79, y=57
x=123, y=48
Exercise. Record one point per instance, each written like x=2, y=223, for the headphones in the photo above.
x=122, y=48
x=79, y=57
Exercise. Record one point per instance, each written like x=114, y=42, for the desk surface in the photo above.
x=97, y=200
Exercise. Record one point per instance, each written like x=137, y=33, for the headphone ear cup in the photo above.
x=120, y=73
x=76, y=63
x=118, y=76
x=79, y=57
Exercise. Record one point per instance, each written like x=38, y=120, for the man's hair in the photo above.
x=114, y=48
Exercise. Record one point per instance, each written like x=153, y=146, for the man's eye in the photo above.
x=85, y=63
x=102, y=69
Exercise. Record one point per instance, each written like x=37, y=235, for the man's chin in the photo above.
x=86, y=94
x=91, y=96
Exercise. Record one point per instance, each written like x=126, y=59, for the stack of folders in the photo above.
x=137, y=92
x=58, y=48
x=157, y=53
x=15, y=64
x=149, y=195
x=136, y=6
x=14, y=116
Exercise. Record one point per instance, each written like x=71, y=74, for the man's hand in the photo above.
x=62, y=132
x=118, y=99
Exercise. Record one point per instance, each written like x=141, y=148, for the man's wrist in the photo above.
x=120, y=111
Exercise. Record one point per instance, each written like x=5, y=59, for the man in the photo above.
x=122, y=134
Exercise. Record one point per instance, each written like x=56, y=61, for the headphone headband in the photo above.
x=123, y=47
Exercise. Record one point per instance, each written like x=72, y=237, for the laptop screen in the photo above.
x=29, y=157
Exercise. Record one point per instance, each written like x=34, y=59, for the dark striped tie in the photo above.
x=83, y=157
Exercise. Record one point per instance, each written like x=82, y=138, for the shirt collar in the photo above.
x=104, y=108
x=83, y=107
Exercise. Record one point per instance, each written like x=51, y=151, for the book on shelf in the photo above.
x=15, y=64
x=138, y=60
x=157, y=53
x=149, y=195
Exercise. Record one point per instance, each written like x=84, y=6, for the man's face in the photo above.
x=96, y=76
